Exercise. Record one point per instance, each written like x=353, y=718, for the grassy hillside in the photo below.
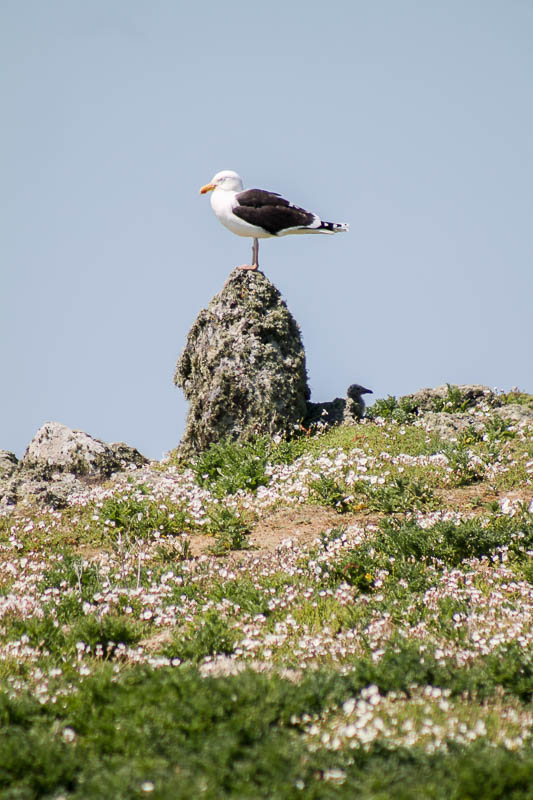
x=348, y=614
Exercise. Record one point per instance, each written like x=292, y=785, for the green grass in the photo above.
x=228, y=737
x=453, y=402
x=521, y=398
x=138, y=516
x=403, y=548
x=208, y=635
x=226, y=467
x=389, y=408
x=389, y=599
x=229, y=529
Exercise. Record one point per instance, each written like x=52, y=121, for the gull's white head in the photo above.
x=228, y=180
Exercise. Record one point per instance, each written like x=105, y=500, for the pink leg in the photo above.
x=255, y=257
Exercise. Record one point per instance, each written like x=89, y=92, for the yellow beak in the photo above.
x=207, y=188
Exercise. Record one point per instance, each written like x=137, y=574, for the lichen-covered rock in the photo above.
x=59, y=460
x=57, y=449
x=446, y=425
x=27, y=489
x=8, y=464
x=450, y=424
x=454, y=398
x=243, y=367
x=516, y=412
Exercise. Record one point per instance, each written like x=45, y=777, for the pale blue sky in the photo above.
x=412, y=121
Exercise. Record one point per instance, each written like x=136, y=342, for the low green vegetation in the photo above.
x=345, y=614
x=229, y=737
x=137, y=515
x=226, y=467
x=518, y=397
x=229, y=530
x=389, y=408
x=405, y=409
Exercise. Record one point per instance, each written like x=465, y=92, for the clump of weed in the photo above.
x=229, y=529
x=101, y=635
x=515, y=396
x=469, y=436
x=71, y=572
x=177, y=549
x=244, y=593
x=389, y=408
x=137, y=515
x=467, y=467
x=209, y=635
x=399, y=495
x=451, y=543
x=453, y=402
x=42, y=633
x=287, y=450
x=357, y=570
x=227, y=466
x=326, y=491
x=401, y=550
x=497, y=429
x=77, y=581
x=331, y=535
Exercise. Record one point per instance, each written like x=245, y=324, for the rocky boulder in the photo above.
x=446, y=425
x=59, y=461
x=8, y=465
x=449, y=398
x=449, y=410
x=56, y=449
x=516, y=413
x=243, y=367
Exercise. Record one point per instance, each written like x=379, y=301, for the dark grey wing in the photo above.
x=257, y=198
x=270, y=211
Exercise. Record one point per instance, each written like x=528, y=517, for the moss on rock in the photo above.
x=243, y=367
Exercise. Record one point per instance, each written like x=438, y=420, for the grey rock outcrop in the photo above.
x=8, y=464
x=515, y=412
x=472, y=394
x=59, y=461
x=451, y=424
x=56, y=449
x=446, y=425
x=243, y=367
x=449, y=410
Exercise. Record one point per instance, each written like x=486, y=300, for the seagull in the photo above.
x=357, y=406
x=260, y=214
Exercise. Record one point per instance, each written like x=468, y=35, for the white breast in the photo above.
x=223, y=203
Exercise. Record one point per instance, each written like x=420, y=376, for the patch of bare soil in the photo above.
x=477, y=497
x=303, y=524
x=155, y=642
